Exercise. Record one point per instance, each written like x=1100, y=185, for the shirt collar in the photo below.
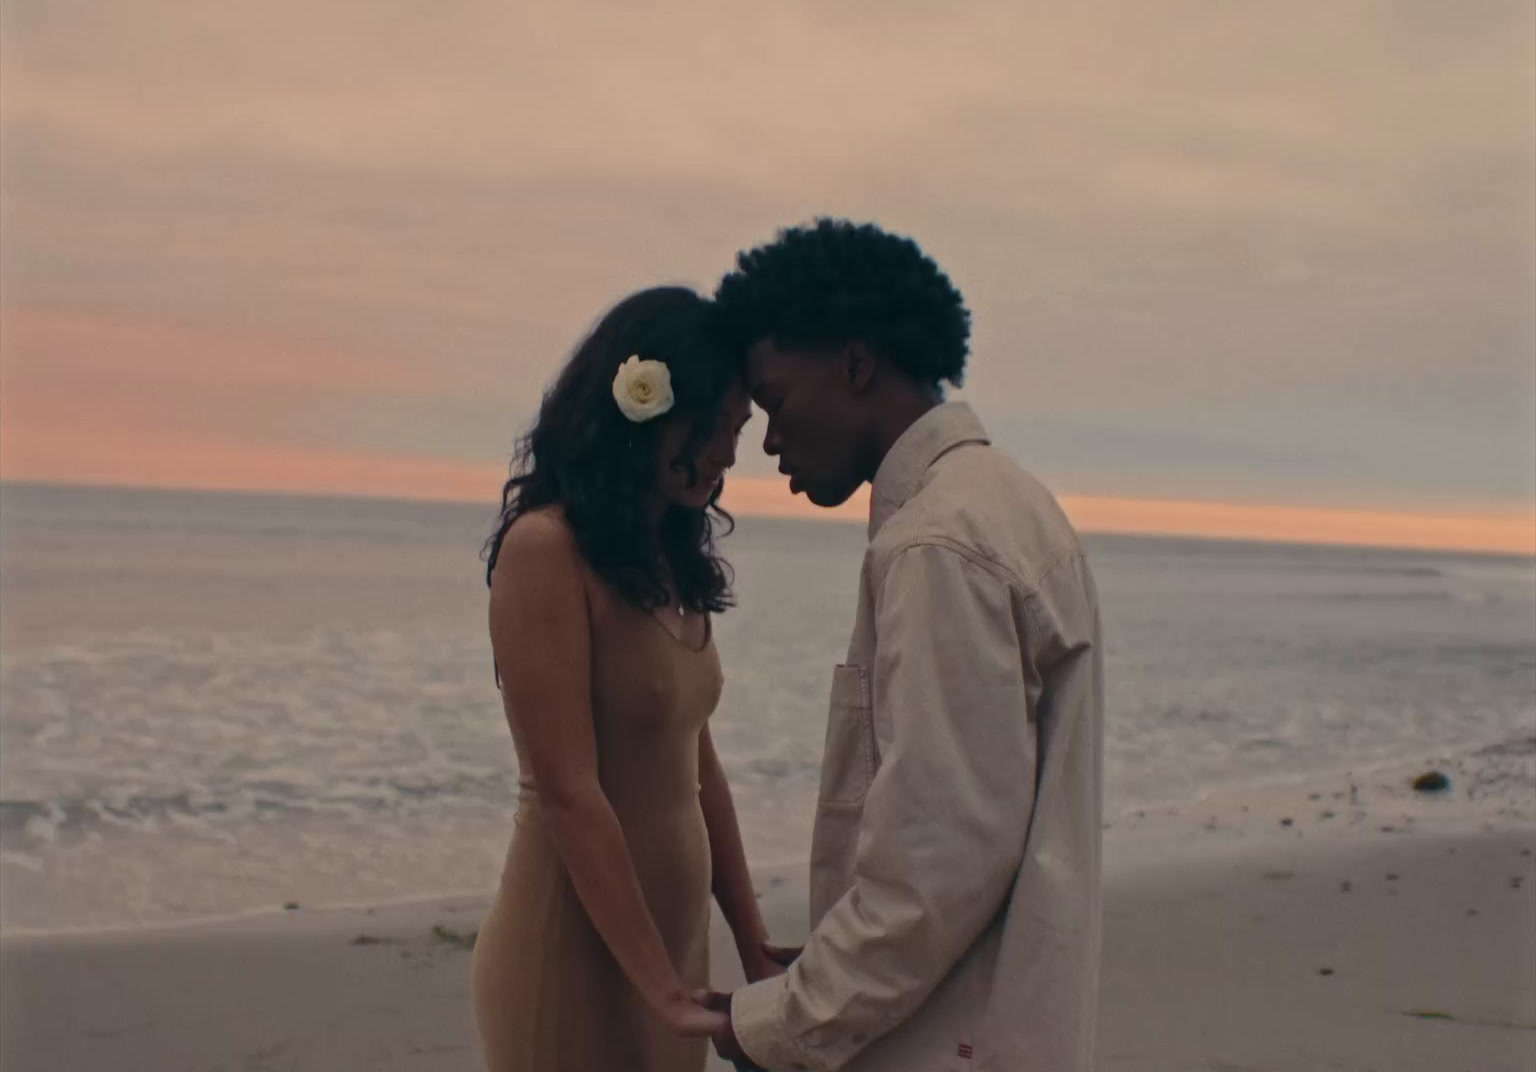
x=931, y=436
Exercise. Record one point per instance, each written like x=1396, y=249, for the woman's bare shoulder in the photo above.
x=542, y=530
x=539, y=543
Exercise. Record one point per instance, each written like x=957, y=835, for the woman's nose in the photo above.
x=723, y=450
x=727, y=453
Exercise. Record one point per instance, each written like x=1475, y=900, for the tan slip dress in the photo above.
x=549, y=996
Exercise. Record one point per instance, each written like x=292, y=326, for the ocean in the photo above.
x=217, y=704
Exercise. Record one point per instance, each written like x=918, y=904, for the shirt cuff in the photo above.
x=757, y=1019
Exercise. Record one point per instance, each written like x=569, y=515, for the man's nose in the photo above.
x=772, y=443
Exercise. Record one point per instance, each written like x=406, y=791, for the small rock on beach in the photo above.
x=1431, y=782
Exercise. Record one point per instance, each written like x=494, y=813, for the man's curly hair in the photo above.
x=835, y=282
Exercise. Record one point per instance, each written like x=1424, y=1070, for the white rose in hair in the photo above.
x=643, y=389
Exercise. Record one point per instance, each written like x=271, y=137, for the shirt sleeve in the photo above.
x=945, y=818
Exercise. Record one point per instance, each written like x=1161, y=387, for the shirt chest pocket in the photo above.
x=849, y=761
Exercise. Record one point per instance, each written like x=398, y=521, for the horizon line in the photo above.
x=1507, y=533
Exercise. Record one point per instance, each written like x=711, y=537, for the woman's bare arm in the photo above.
x=732, y=882
x=541, y=634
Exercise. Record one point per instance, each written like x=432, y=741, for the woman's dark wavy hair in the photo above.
x=585, y=456
x=836, y=281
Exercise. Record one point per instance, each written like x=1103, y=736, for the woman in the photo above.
x=603, y=577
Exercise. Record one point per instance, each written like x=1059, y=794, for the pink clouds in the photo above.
x=116, y=400
x=147, y=458
x=91, y=399
x=1213, y=252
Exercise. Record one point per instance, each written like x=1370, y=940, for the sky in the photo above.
x=1234, y=267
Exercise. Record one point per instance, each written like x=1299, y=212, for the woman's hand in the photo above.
x=682, y=1014
x=768, y=960
x=757, y=966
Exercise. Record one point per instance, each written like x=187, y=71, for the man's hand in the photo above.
x=725, y=1036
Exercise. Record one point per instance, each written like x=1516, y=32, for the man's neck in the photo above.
x=901, y=411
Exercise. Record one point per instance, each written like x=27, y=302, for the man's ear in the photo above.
x=859, y=366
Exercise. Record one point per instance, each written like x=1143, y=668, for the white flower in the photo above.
x=643, y=389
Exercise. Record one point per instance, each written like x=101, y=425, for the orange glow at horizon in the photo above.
x=1511, y=532
x=130, y=403
x=33, y=453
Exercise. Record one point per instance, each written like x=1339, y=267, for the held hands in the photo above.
x=707, y=1012
x=726, y=1044
x=762, y=962
x=685, y=1014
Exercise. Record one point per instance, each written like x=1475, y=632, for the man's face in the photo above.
x=814, y=425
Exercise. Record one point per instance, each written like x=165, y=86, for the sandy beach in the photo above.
x=1297, y=929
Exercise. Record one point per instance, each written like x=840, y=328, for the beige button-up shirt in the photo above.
x=955, y=896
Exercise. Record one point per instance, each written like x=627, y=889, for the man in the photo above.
x=955, y=863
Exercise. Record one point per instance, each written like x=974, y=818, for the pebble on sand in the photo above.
x=1431, y=782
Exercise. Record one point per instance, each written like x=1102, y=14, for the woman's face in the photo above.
x=715, y=456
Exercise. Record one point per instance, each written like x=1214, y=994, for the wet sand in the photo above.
x=1404, y=951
